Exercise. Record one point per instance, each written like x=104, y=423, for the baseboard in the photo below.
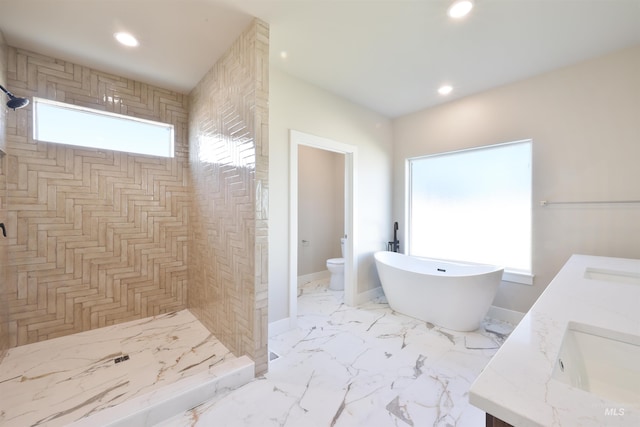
x=506, y=315
x=324, y=274
x=369, y=295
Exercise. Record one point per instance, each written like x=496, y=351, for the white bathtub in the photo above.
x=448, y=294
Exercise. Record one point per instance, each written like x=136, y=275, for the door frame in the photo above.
x=296, y=139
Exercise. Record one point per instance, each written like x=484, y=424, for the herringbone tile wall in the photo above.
x=95, y=237
x=4, y=308
x=228, y=134
x=3, y=82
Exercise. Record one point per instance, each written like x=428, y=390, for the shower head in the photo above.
x=15, y=102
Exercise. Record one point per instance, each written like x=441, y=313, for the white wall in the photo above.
x=320, y=208
x=585, y=124
x=294, y=104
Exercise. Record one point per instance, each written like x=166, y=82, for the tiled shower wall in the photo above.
x=3, y=82
x=228, y=131
x=95, y=237
x=4, y=309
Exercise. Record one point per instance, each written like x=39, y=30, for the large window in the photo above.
x=69, y=124
x=473, y=205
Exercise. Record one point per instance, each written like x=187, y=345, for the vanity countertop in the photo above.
x=517, y=385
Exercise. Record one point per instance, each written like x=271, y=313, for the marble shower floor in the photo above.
x=76, y=378
x=358, y=366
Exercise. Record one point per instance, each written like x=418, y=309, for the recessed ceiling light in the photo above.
x=445, y=90
x=460, y=8
x=126, y=39
x=284, y=54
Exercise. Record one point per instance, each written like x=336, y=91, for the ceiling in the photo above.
x=387, y=55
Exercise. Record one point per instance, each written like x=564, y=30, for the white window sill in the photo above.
x=517, y=277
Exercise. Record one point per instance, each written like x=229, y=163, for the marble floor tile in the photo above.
x=358, y=366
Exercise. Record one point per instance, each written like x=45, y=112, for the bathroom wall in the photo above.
x=95, y=237
x=3, y=82
x=301, y=106
x=4, y=308
x=320, y=208
x=583, y=120
x=229, y=152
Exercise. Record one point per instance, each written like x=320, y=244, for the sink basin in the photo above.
x=600, y=361
x=629, y=277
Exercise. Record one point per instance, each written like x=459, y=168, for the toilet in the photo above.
x=336, y=268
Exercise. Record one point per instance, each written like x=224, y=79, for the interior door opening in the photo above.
x=298, y=139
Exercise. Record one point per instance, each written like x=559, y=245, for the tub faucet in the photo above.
x=395, y=245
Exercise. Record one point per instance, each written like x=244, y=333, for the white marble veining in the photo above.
x=75, y=378
x=358, y=366
x=517, y=386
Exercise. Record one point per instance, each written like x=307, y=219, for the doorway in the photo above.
x=298, y=139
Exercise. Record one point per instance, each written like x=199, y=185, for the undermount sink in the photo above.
x=600, y=361
x=612, y=275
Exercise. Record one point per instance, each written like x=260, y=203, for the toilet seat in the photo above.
x=336, y=261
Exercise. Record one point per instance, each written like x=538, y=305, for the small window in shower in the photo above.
x=62, y=123
x=473, y=205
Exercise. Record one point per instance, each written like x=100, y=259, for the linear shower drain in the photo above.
x=121, y=358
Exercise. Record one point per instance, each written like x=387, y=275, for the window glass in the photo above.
x=69, y=124
x=473, y=205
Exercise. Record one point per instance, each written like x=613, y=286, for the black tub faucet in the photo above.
x=395, y=245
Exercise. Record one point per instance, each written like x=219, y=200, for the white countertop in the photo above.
x=517, y=385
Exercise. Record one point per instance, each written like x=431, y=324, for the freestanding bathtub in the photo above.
x=448, y=294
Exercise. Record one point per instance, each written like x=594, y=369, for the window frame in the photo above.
x=168, y=146
x=510, y=275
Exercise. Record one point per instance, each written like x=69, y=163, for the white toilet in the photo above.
x=336, y=268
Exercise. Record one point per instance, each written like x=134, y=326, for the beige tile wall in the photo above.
x=4, y=308
x=96, y=237
x=228, y=134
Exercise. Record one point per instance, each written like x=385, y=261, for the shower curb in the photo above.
x=159, y=405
